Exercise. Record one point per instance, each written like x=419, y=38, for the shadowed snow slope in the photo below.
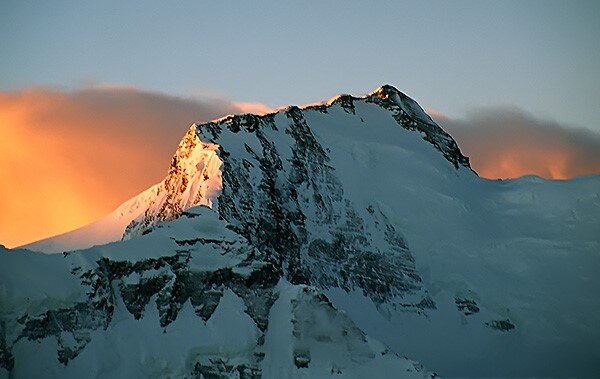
x=189, y=299
x=364, y=202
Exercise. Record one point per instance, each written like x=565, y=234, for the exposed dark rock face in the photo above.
x=288, y=202
x=190, y=176
x=175, y=182
x=501, y=325
x=217, y=368
x=7, y=360
x=76, y=321
x=466, y=306
x=171, y=280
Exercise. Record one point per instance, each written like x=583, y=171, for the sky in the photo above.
x=449, y=55
x=95, y=95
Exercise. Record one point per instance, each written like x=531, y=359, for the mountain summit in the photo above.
x=328, y=240
x=195, y=150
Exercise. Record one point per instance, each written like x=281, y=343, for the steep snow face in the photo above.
x=512, y=268
x=189, y=299
x=368, y=201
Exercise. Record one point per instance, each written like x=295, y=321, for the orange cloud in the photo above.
x=252, y=107
x=68, y=158
x=509, y=143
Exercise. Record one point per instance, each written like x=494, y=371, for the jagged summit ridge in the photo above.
x=407, y=112
x=201, y=140
x=396, y=97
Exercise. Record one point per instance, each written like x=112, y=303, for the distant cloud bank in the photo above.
x=508, y=143
x=69, y=157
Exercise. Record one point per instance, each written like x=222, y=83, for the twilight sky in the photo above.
x=450, y=55
x=95, y=95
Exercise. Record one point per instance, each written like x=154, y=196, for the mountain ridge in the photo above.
x=375, y=209
x=385, y=95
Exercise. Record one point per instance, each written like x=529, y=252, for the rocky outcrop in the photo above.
x=193, y=178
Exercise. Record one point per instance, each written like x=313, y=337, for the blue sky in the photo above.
x=453, y=56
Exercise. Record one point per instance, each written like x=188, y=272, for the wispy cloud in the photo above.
x=69, y=157
x=508, y=143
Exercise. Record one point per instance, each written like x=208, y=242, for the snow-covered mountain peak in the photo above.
x=387, y=91
x=194, y=177
x=364, y=201
x=392, y=96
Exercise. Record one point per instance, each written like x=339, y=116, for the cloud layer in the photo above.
x=67, y=158
x=509, y=143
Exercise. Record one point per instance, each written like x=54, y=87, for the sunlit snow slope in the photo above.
x=368, y=201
